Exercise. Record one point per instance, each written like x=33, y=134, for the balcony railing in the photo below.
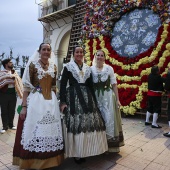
x=53, y=10
x=49, y=6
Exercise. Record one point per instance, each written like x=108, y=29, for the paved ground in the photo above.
x=145, y=148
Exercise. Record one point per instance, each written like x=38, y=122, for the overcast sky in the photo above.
x=19, y=27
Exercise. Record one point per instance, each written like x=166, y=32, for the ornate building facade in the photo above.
x=56, y=17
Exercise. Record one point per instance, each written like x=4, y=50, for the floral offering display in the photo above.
x=132, y=64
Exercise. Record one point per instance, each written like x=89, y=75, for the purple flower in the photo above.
x=38, y=89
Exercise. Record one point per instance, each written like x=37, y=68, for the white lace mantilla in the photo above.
x=103, y=74
x=77, y=74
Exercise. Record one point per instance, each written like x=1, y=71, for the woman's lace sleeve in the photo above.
x=112, y=76
x=31, y=72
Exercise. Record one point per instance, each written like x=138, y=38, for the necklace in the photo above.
x=45, y=65
x=80, y=68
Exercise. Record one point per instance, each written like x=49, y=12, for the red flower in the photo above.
x=144, y=78
x=127, y=95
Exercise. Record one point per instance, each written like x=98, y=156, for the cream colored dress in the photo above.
x=106, y=100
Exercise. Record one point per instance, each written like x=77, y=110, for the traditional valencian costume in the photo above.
x=84, y=128
x=10, y=86
x=106, y=99
x=39, y=141
x=154, y=101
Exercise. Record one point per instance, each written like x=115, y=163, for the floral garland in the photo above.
x=131, y=73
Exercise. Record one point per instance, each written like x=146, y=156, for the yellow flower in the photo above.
x=168, y=46
x=166, y=53
x=88, y=63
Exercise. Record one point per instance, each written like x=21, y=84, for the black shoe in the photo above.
x=167, y=135
x=147, y=123
x=77, y=161
x=153, y=126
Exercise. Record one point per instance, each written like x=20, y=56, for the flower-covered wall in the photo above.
x=135, y=35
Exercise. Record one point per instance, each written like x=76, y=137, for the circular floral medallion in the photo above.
x=135, y=32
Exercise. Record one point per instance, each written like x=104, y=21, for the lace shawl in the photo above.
x=73, y=68
x=28, y=86
x=104, y=74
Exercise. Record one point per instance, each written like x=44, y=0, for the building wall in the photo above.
x=59, y=43
x=57, y=33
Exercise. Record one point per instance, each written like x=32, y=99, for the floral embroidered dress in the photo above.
x=39, y=141
x=84, y=129
x=106, y=100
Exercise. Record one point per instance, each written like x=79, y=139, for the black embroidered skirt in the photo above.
x=84, y=127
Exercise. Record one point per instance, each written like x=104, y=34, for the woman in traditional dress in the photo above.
x=106, y=92
x=39, y=141
x=84, y=128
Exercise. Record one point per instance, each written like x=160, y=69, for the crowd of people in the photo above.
x=85, y=122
